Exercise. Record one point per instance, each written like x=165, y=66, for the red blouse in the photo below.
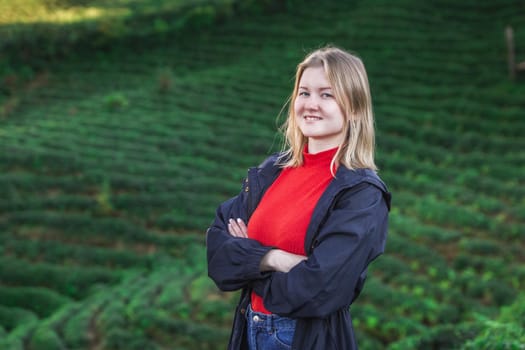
x=283, y=214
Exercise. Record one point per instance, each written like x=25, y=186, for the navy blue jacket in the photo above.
x=347, y=231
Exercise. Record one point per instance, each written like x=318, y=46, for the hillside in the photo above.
x=112, y=163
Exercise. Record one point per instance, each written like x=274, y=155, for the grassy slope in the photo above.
x=105, y=179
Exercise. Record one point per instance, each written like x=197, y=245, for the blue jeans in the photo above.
x=269, y=332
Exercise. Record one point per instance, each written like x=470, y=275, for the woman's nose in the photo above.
x=312, y=103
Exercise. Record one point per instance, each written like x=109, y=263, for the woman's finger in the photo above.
x=231, y=228
x=237, y=228
x=234, y=229
x=242, y=227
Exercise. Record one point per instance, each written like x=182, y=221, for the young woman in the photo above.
x=299, y=237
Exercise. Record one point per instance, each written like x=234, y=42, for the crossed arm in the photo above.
x=275, y=259
x=330, y=278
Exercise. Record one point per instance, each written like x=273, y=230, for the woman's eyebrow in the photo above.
x=321, y=88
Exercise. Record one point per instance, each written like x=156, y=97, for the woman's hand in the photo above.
x=237, y=228
x=280, y=260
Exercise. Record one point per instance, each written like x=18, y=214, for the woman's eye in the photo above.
x=303, y=93
x=327, y=95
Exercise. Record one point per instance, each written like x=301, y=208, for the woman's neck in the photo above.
x=316, y=146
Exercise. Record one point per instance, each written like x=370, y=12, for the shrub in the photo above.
x=112, y=316
x=507, y=332
x=440, y=337
x=123, y=339
x=45, y=338
x=480, y=246
x=12, y=317
x=76, y=332
x=42, y=301
x=116, y=100
x=165, y=80
x=71, y=281
x=103, y=199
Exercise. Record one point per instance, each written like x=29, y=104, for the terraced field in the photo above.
x=112, y=164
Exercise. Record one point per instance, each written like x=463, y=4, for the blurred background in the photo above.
x=124, y=124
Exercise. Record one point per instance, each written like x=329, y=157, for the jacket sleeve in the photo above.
x=353, y=235
x=232, y=261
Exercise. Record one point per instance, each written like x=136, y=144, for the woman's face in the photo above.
x=317, y=113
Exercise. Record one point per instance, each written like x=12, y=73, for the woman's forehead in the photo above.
x=314, y=77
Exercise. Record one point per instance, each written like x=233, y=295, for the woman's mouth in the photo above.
x=312, y=118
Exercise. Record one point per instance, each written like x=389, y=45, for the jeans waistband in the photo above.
x=269, y=321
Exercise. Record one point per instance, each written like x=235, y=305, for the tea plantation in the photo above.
x=119, y=140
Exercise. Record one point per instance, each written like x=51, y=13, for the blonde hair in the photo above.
x=348, y=79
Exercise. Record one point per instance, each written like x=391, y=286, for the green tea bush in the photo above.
x=33, y=45
x=68, y=281
x=61, y=253
x=441, y=337
x=12, y=343
x=48, y=163
x=122, y=339
x=76, y=331
x=45, y=338
x=112, y=316
x=17, y=338
x=388, y=267
x=480, y=246
x=366, y=342
x=491, y=290
x=183, y=332
x=12, y=316
x=63, y=203
x=215, y=311
x=84, y=227
x=507, y=332
x=115, y=101
x=41, y=301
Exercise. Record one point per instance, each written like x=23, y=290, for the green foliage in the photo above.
x=112, y=317
x=45, y=339
x=77, y=333
x=68, y=281
x=61, y=253
x=498, y=336
x=41, y=301
x=37, y=31
x=11, y=317
x=103, y=198
x=505, y=333
x=116, y=100
x=441, y=337
x=165, y=78
x=122, y=339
